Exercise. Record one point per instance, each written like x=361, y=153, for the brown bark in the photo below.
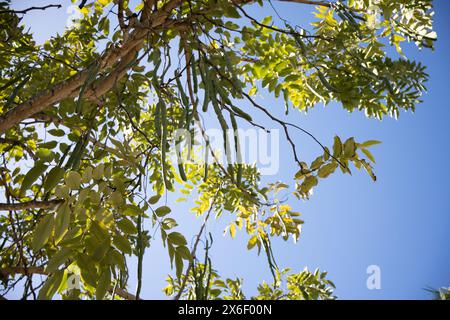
x=30, y=205
x=115, y=55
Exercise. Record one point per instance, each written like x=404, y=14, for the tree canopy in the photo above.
x=89, y=124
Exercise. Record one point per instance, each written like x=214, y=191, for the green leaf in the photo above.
x=44, y=154
x=162, y=211
x=62, y=192
x=132, y=210
x=327, y=169
x=127, y=226
x=117, y=259
x=73, y=180
x=104, y=283
x=178, y=265
x=117, y=199
x=183, y=251
x=168, y=223
x=98, y=172
x=58, y=259
x=51, y=285
x=337, y=147
x=122, y=243
x=54, y=176
x=266, y=20
x=62, y=221
x=308, y=184
x=349, y=148
x=368, y=154
x=177, y=238
x=57, y=132
x=369, y=143
x=42, y=232
x=32, y=175
x=154, y=199
x=87, y=175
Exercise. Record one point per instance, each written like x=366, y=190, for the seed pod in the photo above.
x=205, y=176
x=237, y=147
x=183, y=95
x=158, y=119
x=207, y=82
x=241, y=113
x=163, y=141
x=194, y=74
x=234, y=78
x=224, y=126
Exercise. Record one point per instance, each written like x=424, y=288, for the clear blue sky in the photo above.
x=400, y=223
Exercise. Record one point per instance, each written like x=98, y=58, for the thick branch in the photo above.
x=22, y=270
x=71, y=86
x=30, y=205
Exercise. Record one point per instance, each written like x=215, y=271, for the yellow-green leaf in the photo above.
x=58, y=259
x=177, y=238
x=62, y=221
x=122, y=243
x=104, y=283
x=32, y=176
x=162, y=211
x=73, y=180
x=127, y=226
x=42, y=232
x=54, y=176
x=51, y=285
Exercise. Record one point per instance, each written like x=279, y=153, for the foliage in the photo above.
x=305, y=285
x=88, y=122
x=440, y=294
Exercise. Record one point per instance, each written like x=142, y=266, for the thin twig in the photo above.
x=24, y=11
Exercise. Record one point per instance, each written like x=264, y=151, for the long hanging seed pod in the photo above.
x=163, y=141
x=184, y=97
x=178, y=151
x=158, y=119
x=234, y=79
x=223, y=95
x=237, y=147
x=194, y=74
x=205, y=175
x=93, y=70
x=204, y=74
x=184, y=122
x=241, y=113
x=190, y=61
x=224, y=126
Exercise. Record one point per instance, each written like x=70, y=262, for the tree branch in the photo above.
x=70, y=87
x=58, y=6
x=30, y=205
